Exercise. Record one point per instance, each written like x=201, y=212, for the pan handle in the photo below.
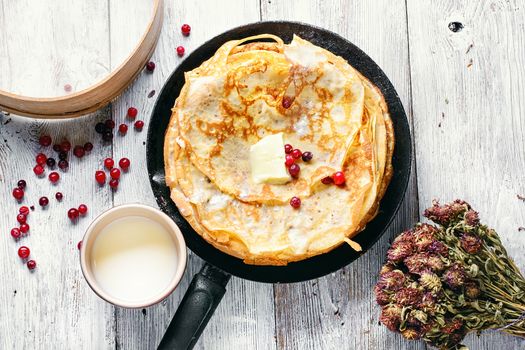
x=196, y=308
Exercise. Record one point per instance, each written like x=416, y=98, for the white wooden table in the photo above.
x=464, y=93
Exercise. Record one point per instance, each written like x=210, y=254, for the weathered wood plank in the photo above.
x=245, y=317
x=339, y=310
x=468, y=108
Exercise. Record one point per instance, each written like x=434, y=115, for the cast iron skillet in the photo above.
x=208, y=286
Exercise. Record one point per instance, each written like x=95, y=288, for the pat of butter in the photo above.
x=267, y=161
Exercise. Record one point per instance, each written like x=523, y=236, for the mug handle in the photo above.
x=196, y=308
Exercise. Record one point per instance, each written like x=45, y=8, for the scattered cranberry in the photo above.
x=41, y=158
x=110, y=124
x=18, y=193
x=150, y=66
x=289, y=160
x=100, y=128
x=63, y=164
x=124, y=163
x=54, y=177
x=45, y=140
x=339, y=178
x=21, y=218
x=107, y=136
x=24, y=210
x=296, y=153
x=294, y=170
x=113, y=183
x=327, y=180
x=115, y=173
x=295, y=202
x=43, y=201
x=56, y=147
x=108, y=163
x=185, y=29
x=123, y=129
x=79, y=151
x=21, y=184
x=15, y=233
x=51, y=162
x=31, y=264
x=72, y=213
x=24, y=228
x=59, y=196
x=287, y=102
x=139, y=124
x=65, y=146
x=68, y=88
x=88, y=147
x=100, y=177
x=132, y=112
x=180, y=51
x=288, y=148
x=62, y=155
x=23, y=252
x=38, y=169
x=307, y=156
x=82, y=209
x=79, y=245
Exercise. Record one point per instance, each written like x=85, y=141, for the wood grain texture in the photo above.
x=468, y=116
x=339, y=310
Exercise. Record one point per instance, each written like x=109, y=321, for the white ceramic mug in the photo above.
x=123, y=211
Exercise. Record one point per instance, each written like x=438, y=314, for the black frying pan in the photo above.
x=208, y=286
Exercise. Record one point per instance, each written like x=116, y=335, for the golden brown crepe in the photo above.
x=232, y=101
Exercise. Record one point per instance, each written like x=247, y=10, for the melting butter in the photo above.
x=267, y=160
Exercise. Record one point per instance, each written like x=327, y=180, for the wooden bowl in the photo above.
x=98, y=95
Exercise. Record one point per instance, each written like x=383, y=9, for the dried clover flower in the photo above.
x=471, y=243
x=430, y=281
x=455, y=276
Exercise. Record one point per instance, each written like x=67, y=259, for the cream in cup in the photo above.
x=133, y=256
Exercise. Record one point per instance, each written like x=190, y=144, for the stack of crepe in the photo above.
x=233, y=100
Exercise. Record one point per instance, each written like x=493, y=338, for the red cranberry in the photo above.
x=18, y=193
x=150, y=66
x=307, y=156
x=296, y=153
x=24, y=210
x=59, y=196
x=123, y=129
x=180, y=51
x=115, y=173
x=54, y=177
x=294, y=170
x=24, y=228
x=79, y=245
x=62, y=155
x=327, y=180
x=79, y=151
x=100, y=177
x=51, y=162
x=15, y=233
x=45, y=140
x=107, y=136
x=38, y=169
x=287, y=102
x=31, y=264
x=124, y=163
x=113, y=183
x=132, y=112
x=108, y=163
x=339, y=178
x=288, y=160
x=288, y=148
x=43, y=201
x=295, y=202
x=63, y=164
x=41, y=158
x=72, y=213
x=21, y=218
x=139, y=124
x=23, y=252
x=57, y=148
x=65, y=146
x=88, y=147
x=185, y=29
x=82, y=209
x=21, y=184
x=110, y=124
